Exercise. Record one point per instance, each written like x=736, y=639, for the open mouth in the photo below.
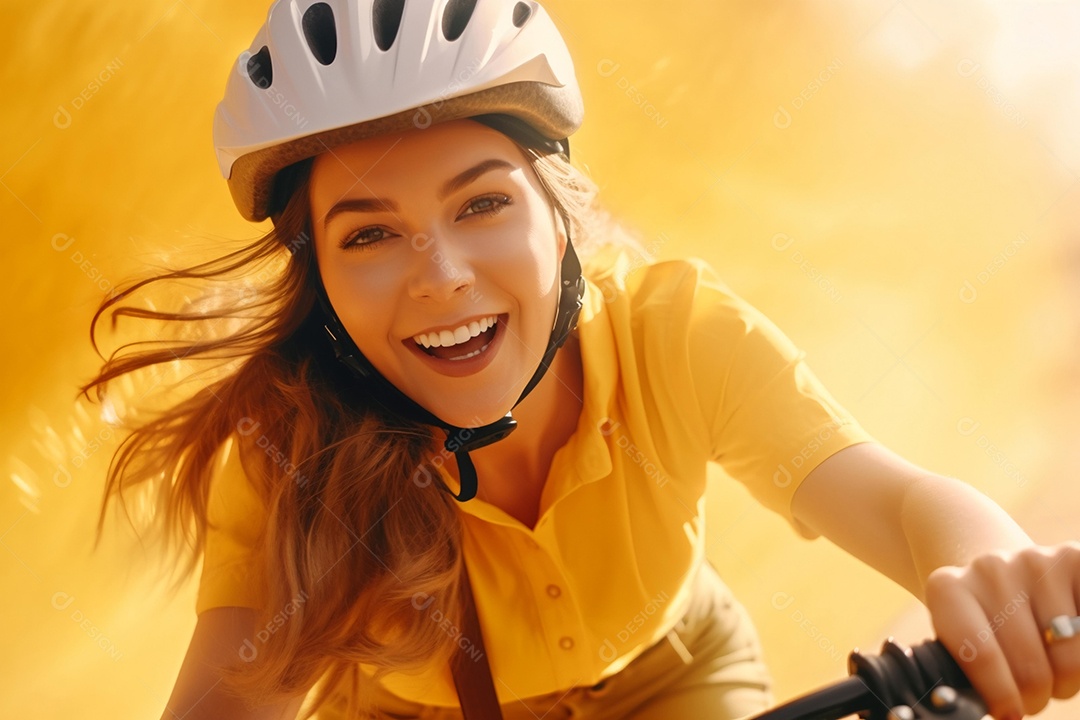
x=463, y=343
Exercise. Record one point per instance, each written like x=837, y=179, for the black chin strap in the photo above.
x=460, y=441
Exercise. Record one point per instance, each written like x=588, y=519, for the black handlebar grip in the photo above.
x=906, y=676
x=915, y=677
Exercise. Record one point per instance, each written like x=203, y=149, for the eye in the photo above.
x=365, y=238
x=486, y=205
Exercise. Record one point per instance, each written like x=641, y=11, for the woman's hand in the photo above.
x=992, y=614
x=990, y=590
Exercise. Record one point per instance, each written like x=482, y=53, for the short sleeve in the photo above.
x=237, y=520
x=770, y=420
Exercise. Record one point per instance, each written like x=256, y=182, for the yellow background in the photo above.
x=895, y=184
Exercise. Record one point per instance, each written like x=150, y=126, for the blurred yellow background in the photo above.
x=895, y=184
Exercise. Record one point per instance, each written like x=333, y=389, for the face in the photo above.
x=440, y=252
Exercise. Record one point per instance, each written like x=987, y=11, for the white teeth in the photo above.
x=474, y=353
x=446, y=338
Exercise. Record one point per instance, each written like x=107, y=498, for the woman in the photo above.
x=433, y=399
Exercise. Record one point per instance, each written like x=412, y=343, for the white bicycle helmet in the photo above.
x=321, y=74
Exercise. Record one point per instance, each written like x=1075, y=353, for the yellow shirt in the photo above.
x=678, y=371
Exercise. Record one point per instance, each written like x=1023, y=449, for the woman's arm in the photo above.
x=989, y=589
x=198, y=694
x=898, y=518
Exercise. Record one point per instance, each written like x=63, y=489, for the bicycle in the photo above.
x=919, y=683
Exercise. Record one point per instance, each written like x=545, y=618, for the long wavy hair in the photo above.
x=351, y=541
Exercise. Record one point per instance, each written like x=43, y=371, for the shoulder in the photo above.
x=236, y=496
x=683, y=295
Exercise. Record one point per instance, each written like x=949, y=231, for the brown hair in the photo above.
x=351, y=541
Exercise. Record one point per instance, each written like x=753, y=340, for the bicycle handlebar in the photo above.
x=900, y=683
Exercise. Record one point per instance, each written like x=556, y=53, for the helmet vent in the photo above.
x=320, y=32
x=259, y=68
x=455, y=17
x=385, y=21
x=522, y=12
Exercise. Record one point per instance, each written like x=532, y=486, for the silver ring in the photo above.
x=1061, y=628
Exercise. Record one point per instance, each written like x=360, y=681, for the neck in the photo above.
x=546, y=418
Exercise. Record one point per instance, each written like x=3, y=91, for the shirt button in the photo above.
x=566, y=642
x=554, y=591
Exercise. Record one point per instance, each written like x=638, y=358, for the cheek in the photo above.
x=529, y=252
x=362, y=303
x=530, y=273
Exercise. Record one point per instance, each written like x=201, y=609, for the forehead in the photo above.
x=414, y=156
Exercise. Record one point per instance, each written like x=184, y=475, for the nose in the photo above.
x=439, y=270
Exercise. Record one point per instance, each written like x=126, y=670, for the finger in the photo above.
x=1019, y=635
x=1065, y=661
x=1058, y=593
x=963, y=627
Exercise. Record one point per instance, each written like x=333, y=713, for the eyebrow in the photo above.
x=382, y=205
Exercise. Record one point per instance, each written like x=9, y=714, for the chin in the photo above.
x=469, y=407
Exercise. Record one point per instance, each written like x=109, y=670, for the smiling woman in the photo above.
x=436, y=407
x=436, y=265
